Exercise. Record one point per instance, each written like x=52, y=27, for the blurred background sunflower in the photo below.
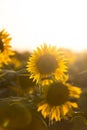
x=46, y=63
x=5, y=48
x=56, y=103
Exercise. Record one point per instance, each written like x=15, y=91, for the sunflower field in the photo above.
x=42, y=90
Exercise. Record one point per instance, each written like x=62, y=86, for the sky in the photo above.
x=56, y=22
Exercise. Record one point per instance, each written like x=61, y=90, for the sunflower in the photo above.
x=56, y=101
x=70, y=55
x=46, y=63
x=5, y=48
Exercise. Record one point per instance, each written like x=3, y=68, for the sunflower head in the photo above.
x=47, y=62
x=70, y=55
x=1, y=46
x=5, y=48
x=56, y=103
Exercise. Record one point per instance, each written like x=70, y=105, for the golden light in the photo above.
x=31, y=23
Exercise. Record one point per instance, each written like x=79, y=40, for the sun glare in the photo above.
x=31, y=23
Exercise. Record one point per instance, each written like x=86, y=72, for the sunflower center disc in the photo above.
x=57, y=94
x=47, y=64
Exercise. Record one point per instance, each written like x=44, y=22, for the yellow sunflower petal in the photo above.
x=73, y=104
x=65, y=109
x=74, y=91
